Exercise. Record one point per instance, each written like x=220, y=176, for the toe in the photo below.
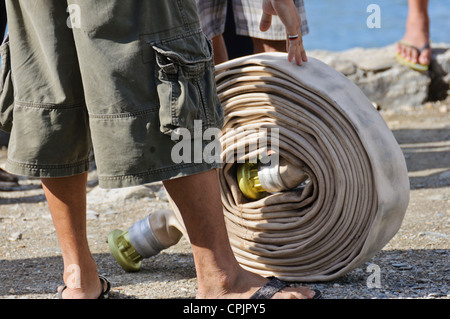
x=424, y=57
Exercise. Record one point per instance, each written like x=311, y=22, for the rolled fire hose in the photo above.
x=339, y=190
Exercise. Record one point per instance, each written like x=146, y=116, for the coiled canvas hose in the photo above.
x=357, y=190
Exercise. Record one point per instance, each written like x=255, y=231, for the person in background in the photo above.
x=414, y=49
x=268, y=35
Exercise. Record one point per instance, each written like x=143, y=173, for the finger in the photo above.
x=297, y=51
x=294, y=54
x=303, y=51
x=298, y=57
x=290, y=51
x=304, y=56
x=266, y=22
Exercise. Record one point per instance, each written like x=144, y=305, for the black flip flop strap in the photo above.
x=419, y=50
x=269, y=289
x=426, y=46
x=103, y=295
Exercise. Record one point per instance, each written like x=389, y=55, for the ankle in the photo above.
x=81, y=282
x=80, y=273
x=215, y=284
x=418, y=20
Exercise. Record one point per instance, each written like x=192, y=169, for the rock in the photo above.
x=423, y=280
x=402, y=266
x=444, y=175
x=102, y=196
x=341, y=64
x=336, y=286
x=162, y=195
x=434, y=234
x=437, y=197
x=372, y=60
x=15, y=236
x=386, y=82
x=91, y=214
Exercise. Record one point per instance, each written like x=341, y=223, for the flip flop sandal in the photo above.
x=103, y=295
x=415, y=66
x=275, y=285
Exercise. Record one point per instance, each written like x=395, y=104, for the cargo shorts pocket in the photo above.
x=6, y=88
x=185, y=82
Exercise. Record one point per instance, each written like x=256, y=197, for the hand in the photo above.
x=291, y=19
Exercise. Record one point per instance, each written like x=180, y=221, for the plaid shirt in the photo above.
x=247, y=14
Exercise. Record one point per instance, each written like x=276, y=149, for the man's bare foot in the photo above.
x=244, y=285
x=417, y=36
x=97, y=289
x=83, y=282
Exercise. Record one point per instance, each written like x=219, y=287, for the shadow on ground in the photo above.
x=43, y=275
x=427, y=154
x=411, y=279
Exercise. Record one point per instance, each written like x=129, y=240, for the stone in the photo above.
x=91, y=214
x=386, y=82
x=444, y=175
x=162, y=195
x=102, y=196
x=15, y=236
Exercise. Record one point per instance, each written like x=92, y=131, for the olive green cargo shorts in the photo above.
x=115, y=77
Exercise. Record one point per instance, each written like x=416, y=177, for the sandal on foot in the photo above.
x=413, y=65
x=275, y=285
x=103, y=295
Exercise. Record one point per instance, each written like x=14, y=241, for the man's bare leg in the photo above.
x=417, y=32
x=260, y=45
x=220, y=49
x=218, y=273
x=66, y=198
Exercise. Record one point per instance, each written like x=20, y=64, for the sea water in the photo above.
x=340, y=25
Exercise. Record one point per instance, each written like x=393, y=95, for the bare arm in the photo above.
x=290, y=17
